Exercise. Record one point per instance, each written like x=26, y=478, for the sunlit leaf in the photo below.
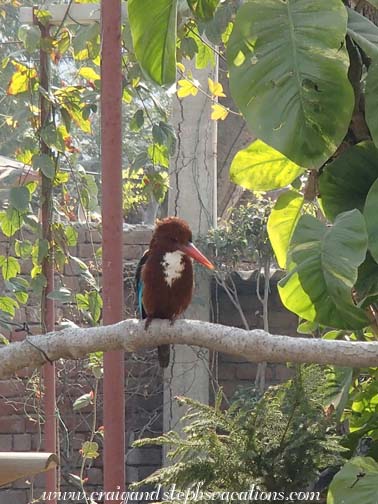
x=10, y=267
x=216, y=88
x=357, y=481
x=186, y=88
x=218, y=112
x=259, y=167
x=89, y=450
x=89, y=73
x=282, y=222
x=8, y=305
x=10, y=221
x=21, y=79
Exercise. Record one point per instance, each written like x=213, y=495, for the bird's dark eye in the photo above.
x=174, y=240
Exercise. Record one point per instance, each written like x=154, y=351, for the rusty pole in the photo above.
x=47, y=305
x=112, y=241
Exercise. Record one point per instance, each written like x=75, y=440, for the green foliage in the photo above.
x=153, y=28
x=322, y=269
x=243, y=236
x=345, y=182
x=288, y=104
x=282, y=222
x=278, y=441
x=356, y=482
x=262, y=168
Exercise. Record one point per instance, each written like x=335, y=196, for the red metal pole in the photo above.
x=47, y=305
x=112, y=241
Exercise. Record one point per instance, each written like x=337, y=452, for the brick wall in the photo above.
x=20, y=418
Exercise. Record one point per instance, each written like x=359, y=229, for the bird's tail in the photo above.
x=163, y=355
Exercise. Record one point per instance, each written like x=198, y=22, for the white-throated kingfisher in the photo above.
x=164, y=275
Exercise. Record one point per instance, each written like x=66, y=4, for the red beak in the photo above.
x=193, y=252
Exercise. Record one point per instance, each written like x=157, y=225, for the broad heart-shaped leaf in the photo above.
x=322, y=270
x=357, y=481
x=371, y=102
x=288, y=75
x=282, y=222
x=363, y=32
x=370, y=214
x=259, y=167
x=345, y=182
x=153, y=28
x=203, y=9
x=19, y=198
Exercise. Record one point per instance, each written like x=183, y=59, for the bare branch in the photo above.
x=130, y=335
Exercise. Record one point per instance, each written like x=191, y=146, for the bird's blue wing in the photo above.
x=140, y=298
x=139, y=285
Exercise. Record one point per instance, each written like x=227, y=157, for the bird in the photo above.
x=164, y=275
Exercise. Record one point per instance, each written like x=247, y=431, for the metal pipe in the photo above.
x=112, y=242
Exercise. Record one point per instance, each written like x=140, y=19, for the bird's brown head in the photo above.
x=173, y=234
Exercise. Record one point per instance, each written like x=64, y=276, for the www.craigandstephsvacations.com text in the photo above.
x=191, y=494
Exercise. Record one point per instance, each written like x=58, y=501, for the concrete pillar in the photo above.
x=193, y=197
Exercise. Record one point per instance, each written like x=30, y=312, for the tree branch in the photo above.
x=130, y=335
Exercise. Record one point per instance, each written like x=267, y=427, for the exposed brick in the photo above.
x=6, y=442
x=22, y=442
x=94, y=476
x=132, y=252
x=11, y=388
x=145, y=456
x=283, y=373
x=137, y=236
x=9, y=408
x=228, y=371
x=93, y=236
x=13, y=496
x=12, y=424
x=245, y=371
x=86, y=251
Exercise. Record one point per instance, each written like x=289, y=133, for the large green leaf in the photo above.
x=363, y=32
x=357, y=481
x=19, y=198
x=288, y=75
x=282, y=222
x=262, y=168
x=370, y=214
x=323, y=265
x=345, y=182
x=153, y=28
x=371, y=102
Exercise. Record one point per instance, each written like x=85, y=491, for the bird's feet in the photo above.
x=173, y=320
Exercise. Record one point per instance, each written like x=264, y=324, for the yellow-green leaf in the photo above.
x=216, y=88
x=219, y=112
x=186, y=88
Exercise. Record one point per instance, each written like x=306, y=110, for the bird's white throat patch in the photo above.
x=173, y=266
